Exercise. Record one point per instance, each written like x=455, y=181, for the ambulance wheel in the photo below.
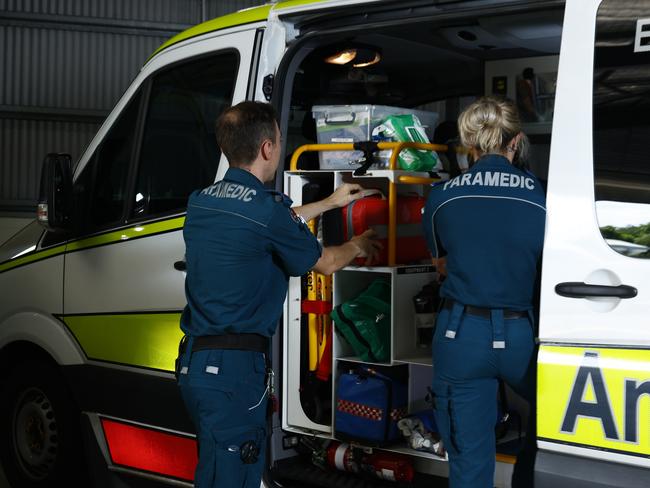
x=40, y=440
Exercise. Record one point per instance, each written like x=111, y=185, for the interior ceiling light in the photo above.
x=467, y=35
x=342, y=57
x=375, y=60
x=361, y=56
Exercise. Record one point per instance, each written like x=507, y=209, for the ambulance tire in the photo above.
x=40, y=436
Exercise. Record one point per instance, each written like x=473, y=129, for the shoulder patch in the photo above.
x=295, y=217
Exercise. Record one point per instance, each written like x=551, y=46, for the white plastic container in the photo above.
x=355, y=123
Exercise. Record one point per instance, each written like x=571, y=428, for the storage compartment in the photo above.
x=413, y=302
x=434, y=68
x=355, y=123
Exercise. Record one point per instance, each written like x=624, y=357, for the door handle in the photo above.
x=579, y=289
x=180, y=266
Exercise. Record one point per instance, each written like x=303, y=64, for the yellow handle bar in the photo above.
x=396, y=148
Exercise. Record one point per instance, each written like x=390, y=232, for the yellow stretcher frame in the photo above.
x=396, y=148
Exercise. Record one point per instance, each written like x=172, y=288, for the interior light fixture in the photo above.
x=361, y=56
x=365, y=64
x=342, y=57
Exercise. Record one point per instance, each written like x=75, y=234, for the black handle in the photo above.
x=583, y=290
x=368, y=148
x=180, y=265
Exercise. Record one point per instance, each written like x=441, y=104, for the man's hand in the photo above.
x=441, y=267
x=368, y=246
x=336, y=257
x=344, y=195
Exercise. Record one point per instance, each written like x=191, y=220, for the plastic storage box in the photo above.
x=353, y=123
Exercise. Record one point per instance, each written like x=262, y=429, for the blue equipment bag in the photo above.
x=368, y=406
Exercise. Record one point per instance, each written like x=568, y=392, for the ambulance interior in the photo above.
x=433, y=66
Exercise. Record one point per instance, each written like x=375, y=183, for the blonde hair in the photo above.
x=489, y=124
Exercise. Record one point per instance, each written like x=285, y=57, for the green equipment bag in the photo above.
x=407, y=128
x=364, y=322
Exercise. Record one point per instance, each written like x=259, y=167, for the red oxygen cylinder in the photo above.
x=340, y=456
x=383, y=465
x=388, y=466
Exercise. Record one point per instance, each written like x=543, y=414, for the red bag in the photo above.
x=372, y=213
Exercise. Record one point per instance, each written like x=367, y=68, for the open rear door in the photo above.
x=594, y=359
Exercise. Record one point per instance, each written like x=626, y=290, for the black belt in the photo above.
x=243, y=342
x=485, y=312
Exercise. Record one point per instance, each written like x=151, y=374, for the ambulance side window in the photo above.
x=179, y=152
x=621, y=121
x=100, y=190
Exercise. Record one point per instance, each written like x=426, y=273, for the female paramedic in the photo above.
x=489, y=225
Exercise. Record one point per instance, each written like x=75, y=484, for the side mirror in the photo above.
x=55, y=197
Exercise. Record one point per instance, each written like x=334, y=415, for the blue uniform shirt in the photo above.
x=242, y=244
x=489, y=222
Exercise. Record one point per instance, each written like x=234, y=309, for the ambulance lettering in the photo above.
x=590, y=376
x=633, y=392
x=641, y=40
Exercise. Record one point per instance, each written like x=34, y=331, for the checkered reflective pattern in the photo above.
x=360, y=410
x=398, y=413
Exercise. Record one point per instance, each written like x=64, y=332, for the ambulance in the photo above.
x=91, y=292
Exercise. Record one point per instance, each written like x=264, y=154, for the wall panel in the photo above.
x=64, y=64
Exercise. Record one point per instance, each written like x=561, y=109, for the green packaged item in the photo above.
x=407, y=128
x=364, y=322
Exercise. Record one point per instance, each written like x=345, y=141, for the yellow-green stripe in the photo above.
x=128, y=233
x=296, y=3
x=247, y=16
x=255, y=14
x=140, y=340
x=28, y=258
x=122, y=235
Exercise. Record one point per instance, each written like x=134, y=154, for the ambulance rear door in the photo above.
x=593, y=412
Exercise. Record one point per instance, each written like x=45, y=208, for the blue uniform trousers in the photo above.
x=225, y=394
x=465, y=382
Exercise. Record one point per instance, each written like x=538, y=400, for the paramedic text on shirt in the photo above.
x=489, y=224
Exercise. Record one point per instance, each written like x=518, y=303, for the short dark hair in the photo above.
x=528, y=73
x=242, y=128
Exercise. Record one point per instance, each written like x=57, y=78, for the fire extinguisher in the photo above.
x=383, y=465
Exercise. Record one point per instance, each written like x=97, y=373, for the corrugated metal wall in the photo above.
x=64, y=64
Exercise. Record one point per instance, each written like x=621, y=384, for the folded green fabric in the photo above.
x=364, y=322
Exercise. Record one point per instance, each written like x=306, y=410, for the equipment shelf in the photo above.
x=405, y=282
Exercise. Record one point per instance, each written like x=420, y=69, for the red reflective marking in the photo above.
x=319, y=307
x=151, y=450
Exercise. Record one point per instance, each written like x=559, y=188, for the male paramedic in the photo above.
x=243, y=242
x=489, y=224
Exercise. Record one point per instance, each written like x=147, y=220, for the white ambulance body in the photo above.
x=90, y=307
